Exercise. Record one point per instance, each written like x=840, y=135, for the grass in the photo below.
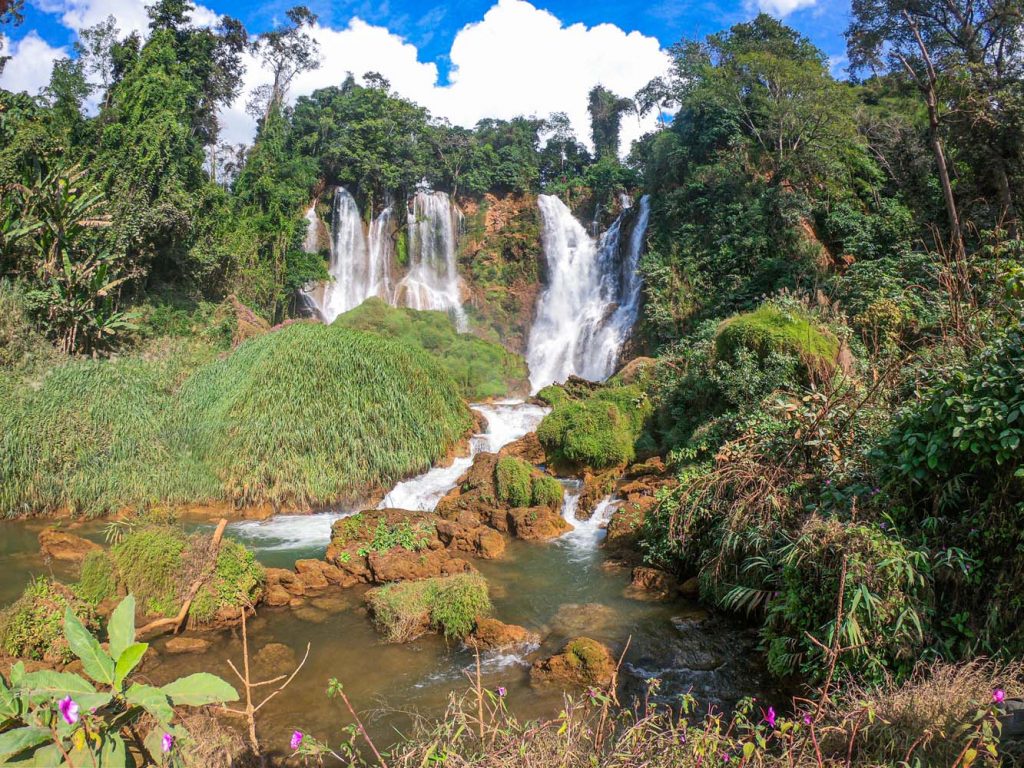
x=238, y=579
x=98, y=580
x=771, y=328
x=449, y=605
x=303, y=416
x=512, y=481
x=483, y=369
x=546, y=491
x=598, y=429
x=312, y=414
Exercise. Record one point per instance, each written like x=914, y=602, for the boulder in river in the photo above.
x=653, y=583
x=494, y=635
x=66, y=547
x=536, y=523
x=186, y=644
x=582, y=661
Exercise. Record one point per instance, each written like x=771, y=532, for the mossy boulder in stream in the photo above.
x=33, y=626
x=449, y=606
x=582, y=661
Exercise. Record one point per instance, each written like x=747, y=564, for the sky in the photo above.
x=464, y=59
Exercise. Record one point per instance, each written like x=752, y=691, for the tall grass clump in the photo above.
x=512, y=481
x=90, y=439
x=774, y=329
x=449, y=605
x=483, y=369
x=311, y=413
x=33, y=626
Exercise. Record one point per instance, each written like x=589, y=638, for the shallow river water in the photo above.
x=559, y=589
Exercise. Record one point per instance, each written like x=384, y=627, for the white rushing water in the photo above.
x=592, y=297
x=507, y=420
x=586, y=534
x=433, y=278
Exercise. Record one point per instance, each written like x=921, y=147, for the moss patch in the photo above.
x=449, y=605
x=546, y=491
x=512, y=481
x=99, y=578
x=772, y=329
x=33, y=627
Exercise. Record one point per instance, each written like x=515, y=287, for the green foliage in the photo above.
x=884, y=618
x=449, y=605
x=33, y=626
x=546, y=491
x=512, y=481
x=387, y=536
x=483, y=369
x=773, y=329
x=310, y=414
x=599, y=430
x=150, y=563
x=237, y=582
x=98, y=580
x=106, y=711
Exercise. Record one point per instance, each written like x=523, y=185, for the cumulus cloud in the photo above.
x=517, y=60
x=783, y=8
x=31, y=63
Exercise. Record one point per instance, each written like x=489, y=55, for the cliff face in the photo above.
x=500, y=261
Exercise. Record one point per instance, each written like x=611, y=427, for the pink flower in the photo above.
x=807, y=719
x=725, y=757
x=68, y=710
x=501, y=691
x=167, y=743
x=297, y=738
x=769, y=716
x=999, y=696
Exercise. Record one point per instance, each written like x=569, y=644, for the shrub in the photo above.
x=546, y=492
x=98, y=581
x=601, y=430
x=883, y=612
x=512, y=481
x=310, y=414
x=33, y=627
x=449, y=605
x=483, y=369
x=236, y=583
x=780, y=330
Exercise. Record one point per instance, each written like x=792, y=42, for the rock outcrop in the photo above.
x=494, y=635
x=582, y=661
x=66, y=547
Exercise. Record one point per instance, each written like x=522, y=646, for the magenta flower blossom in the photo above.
x=167, y=743
x=725, y=757
x=807, y=719
x=501, y=691
x=769, y=716
x=297, y=738
x=68, y=710
x=998, y=695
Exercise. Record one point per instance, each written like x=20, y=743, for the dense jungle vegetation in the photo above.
x=833, y=308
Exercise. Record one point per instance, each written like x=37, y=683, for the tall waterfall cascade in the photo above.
x=588, y=307
x=362, y=258
x=433, y=278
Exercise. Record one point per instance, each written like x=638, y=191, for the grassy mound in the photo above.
x=546, y=491
x=599, y=429
x=483, y=369
x=98, y=580
x=449, y=605
x=512, y=481
x=237, y=580
x=773, y=329
x=311, y=414
x=90, y=439
x=33, y=627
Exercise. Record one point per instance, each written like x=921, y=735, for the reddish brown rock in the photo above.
x=493, y=635
x=490, y=544
x=277, y=595
x=536, y=523
x=310, y=572
x=186, y=645
x=690, y=587
x=582, y=661
x=654, y=582
x=527, y=448
x=596, y=486
x=66, y=547
x=288, y=580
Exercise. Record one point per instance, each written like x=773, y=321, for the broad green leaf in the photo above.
x=8, y=702
x=151, y=699
x=48, y=755
x=748, y=750
x=127, y=661
x=20, y=739
x=199, y=689
x=97, y=663
x=121, y=627
x=113, y=753
x=46, y=684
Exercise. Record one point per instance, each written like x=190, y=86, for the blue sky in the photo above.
x=463, y=60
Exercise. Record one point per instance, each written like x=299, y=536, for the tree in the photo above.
x=10, y=13
x=285, y=51
x=606, y=111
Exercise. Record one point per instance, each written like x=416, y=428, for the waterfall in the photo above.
x=588, y=308
x=433, y=278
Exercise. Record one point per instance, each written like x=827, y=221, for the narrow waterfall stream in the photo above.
x=592, y=295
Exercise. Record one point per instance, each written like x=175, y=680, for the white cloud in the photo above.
x=31, y=63
x=517, y=60
x=782, y=8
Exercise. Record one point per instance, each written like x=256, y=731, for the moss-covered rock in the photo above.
x=238, y=580
x=583, y=661
x=599, y=429
x=449, y=606
x=98, y=580
x=546, y=491
x=33, y=627
x=772, y=329
x=513, y=482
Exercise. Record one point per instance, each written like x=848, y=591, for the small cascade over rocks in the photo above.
x=590, y=303
x=433, y=278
